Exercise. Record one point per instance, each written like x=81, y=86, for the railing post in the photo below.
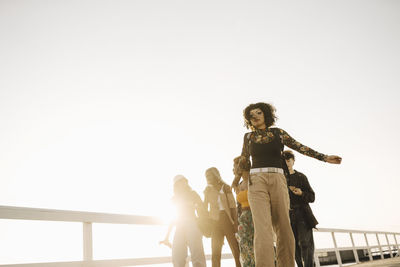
x=390, y=248
x=338, y=258
x=87, y=242
x=369, y=249
x=397, y=246
x=187, y=261
x=379, y=244
x=354, y=248
x=316, y=259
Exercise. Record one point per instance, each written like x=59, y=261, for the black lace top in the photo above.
x=265, y=146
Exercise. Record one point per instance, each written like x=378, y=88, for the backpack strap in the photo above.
x=248, y=136
x=276, y=132
x=284, y=165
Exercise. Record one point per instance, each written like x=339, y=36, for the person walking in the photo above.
x=268, y=192
x=187, y=233
x=302, y=218
x=219, y=199
x=246, y=228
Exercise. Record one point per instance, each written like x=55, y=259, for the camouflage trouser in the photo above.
x=246, y=239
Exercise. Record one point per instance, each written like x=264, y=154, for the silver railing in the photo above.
x=89, y=218
x=393, y=248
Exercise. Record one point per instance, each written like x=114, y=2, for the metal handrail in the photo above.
x=88, y=218
x=337, y=249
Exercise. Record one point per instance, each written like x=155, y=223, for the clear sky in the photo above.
x=103, y=102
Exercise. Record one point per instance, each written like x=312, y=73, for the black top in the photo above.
x=264, y=147
x=299, y=180
x=299, y=205
x=266, y=154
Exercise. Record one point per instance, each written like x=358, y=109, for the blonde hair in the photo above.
x=214, y=172
x=241, y=164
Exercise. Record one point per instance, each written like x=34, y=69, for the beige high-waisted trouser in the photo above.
x=269, y=202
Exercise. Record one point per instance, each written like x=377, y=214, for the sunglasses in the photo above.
x=251, y=116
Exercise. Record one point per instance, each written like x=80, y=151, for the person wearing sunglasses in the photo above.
x=268, y=192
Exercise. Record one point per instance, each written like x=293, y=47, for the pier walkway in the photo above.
x=395, y=262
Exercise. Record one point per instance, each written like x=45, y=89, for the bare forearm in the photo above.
x=171, y=225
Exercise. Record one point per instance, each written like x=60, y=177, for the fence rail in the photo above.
x=88, y=218
x=354, y=248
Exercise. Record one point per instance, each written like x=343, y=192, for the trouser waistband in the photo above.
x=266, y=169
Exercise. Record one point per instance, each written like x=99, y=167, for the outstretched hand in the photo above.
x=333, y=159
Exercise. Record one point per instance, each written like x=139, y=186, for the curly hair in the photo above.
x=267, y=109
x=241, y=164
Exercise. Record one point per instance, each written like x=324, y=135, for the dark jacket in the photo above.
x=301, y=203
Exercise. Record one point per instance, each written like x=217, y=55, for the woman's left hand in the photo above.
x=333, y=159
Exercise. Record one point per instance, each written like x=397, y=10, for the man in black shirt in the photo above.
x=301, y=216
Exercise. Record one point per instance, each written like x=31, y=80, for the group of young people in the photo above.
x=272, y=203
